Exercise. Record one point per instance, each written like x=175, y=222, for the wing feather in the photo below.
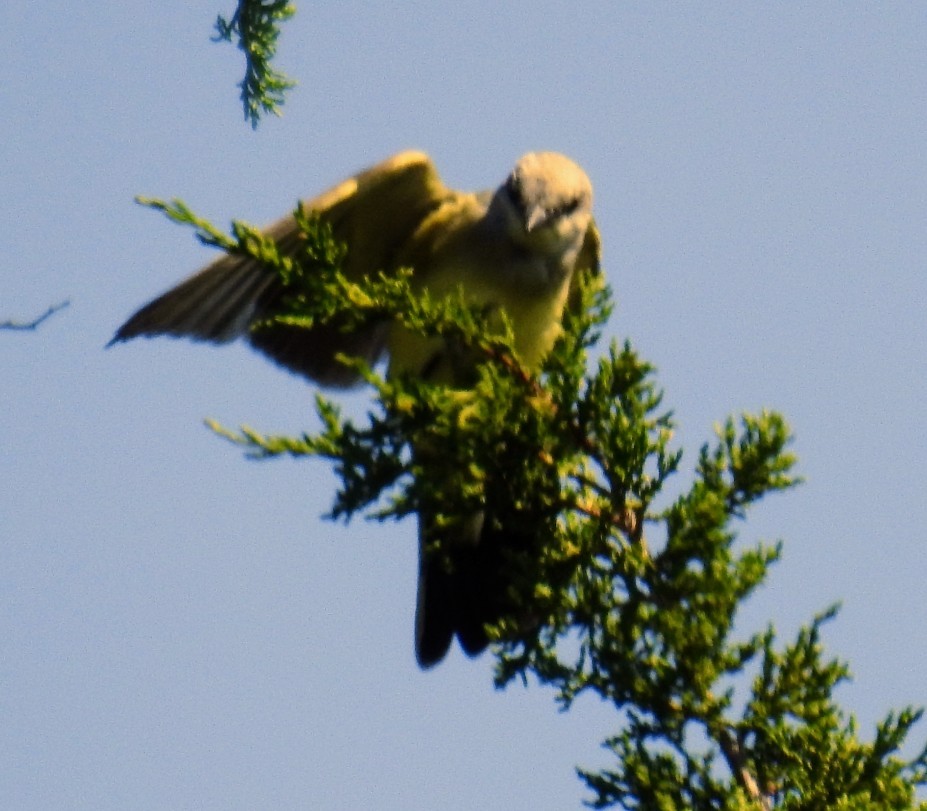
x=374, y=213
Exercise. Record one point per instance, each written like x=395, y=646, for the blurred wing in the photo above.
x=589, y=259
x=374, y=213
x=590, y=255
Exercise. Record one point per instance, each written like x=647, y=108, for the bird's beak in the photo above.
x=534, y=217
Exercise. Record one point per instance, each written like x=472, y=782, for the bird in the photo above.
x=518, y=248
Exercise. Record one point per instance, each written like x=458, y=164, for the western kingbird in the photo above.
x=515, y=249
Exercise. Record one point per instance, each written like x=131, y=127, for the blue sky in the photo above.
x=179, y=629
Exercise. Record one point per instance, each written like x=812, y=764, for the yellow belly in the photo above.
x=535, y=320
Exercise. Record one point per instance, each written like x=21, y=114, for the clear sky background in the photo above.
x=178, y=628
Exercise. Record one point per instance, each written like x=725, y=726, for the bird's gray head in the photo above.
x=547, y=201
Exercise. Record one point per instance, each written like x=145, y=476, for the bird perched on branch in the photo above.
x=516, y=248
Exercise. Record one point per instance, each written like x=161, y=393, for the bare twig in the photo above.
x=31, y=325
x=734, y=755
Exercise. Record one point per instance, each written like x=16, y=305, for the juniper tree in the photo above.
x=623, y=592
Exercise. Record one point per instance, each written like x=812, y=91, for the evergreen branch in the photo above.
x=179, y=212
x=580, y=457
x=256, y=26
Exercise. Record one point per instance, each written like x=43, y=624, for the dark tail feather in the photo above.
x=435, y=610
x=487, y=574
x=467, y=588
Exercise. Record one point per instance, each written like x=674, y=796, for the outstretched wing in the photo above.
x=374, y=213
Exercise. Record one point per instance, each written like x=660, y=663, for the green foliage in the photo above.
x=256, y=27
x=633, y=594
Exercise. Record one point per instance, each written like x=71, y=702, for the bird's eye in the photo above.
x=567, y=208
